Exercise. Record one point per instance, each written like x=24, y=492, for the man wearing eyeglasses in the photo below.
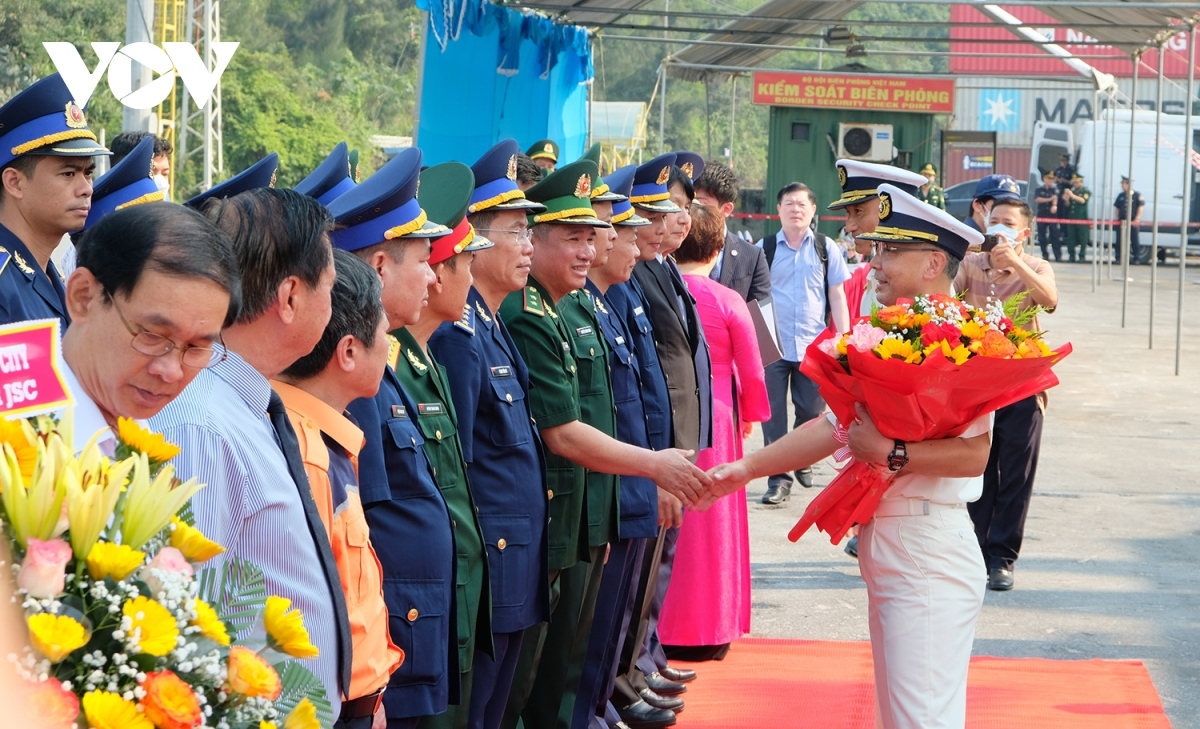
x=162, y=280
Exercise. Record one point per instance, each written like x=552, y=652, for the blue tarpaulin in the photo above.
x=493, y=72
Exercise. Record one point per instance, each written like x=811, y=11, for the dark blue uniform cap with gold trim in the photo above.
x=998, y=187
x=127, y=183
x=331, y=179
x=44, y=120
x=496, y=181
x=259, y=174
x=384, y=207
x=905, y=219
x=650, y=185
x=691, y=163
x=861, y=180
x=622, y=183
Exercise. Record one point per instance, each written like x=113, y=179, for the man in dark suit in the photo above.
x=741, y=266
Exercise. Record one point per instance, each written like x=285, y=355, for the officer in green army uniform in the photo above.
x=544, y=154
x=444, y=193
x=930, y=193
x=571, y=400
x=1077, y=235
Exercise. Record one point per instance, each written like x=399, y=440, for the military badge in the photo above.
x=482, y=312
x=663, y=176
x=75, y=117
x=841, y=175
x=21, y=264
x=512, y=168
x=687, y=169
x=548, y=148
x=583, y=188
x=885, y=205
x=272, y=182
x=415, y=361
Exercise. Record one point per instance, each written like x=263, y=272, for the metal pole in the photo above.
x=1102, y=187
x=1162, y=52
x=662, y=105
x=139, y=28
x=732, y=116
x=1109, y=159
x=1187, y=190
x=416, y=127
x=1127, y=227
x=1095, y=237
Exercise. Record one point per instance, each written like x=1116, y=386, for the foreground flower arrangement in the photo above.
x=124, y=632
x=924, y=369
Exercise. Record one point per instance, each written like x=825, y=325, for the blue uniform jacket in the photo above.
x=626, y=301
x=27, y=292
x=413, y=537
x=639, y=495
x=489, y=382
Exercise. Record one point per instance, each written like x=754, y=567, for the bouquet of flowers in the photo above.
x=123, y=632
x=924, y=369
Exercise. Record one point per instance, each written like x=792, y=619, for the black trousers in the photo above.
x=1135, y=246
x=784, y=377
x=1048, y=237
x=999, y=514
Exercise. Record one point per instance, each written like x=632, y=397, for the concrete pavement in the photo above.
x=1110, y=567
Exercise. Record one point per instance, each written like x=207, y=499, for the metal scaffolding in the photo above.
x=200, y=134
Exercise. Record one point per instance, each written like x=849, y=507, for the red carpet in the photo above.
x=778, y=684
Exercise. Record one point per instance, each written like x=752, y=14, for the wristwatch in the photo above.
x=898, y=458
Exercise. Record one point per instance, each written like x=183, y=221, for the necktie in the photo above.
x=291, y=451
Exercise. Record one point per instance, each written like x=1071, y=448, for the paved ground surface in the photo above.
x=1111, y=562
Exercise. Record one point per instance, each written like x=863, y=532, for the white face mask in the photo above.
x=164, y=185
x=1004, y=230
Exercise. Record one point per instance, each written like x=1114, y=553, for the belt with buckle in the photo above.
x=363, y=706
x=910, y=507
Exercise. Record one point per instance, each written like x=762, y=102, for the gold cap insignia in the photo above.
x=842, y=175
x=663, y=176
x=885, y=205
x=687, y=169
x=512, y=168
x=75, y=117
x=583, y=188
x=549, y=147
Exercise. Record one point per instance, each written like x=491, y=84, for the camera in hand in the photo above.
x=989, y=242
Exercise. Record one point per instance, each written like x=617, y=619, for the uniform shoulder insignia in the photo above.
x=5, y=257
x=533, y=302
x=393, y=352
x=21, y=264
x=467, y=322
x=482, y=313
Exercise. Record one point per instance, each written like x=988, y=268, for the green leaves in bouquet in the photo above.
x=300, y=683
x=186, y=515
x=237, y=591
x=1021, y=315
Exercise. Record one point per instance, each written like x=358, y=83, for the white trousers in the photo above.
x=925, y=581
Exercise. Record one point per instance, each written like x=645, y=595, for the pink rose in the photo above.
x=865, y=337
x=829, y=346
x=169, y=566
x=44, y=568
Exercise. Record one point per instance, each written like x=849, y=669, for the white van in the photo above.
x=1050, y=140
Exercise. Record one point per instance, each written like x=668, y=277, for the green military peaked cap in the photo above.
x=543, y=149
x=601, y=192
x=566, y=193
x=444, y=193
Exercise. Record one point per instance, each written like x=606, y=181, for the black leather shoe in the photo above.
x=641, y=715
x=804, y=476
x=679, y=675
x=670, y=703
x=777, y=494
x=664, y=686
x=1000, y=579
x=851, y=547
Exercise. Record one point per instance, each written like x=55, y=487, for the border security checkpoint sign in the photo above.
x=850, y=91
x=30, y=380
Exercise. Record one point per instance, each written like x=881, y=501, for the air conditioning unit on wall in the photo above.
x=867, y=142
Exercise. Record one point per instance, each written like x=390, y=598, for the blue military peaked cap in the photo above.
x=998, y=187
x=496, y=181
x=259, y=174
x=905, y=219
x=127, y=183
x=691, y=163
x=331, y=179
x=650, y=185
x=621, y=182
x=384, y=207
x=861, y=181
x=44, y=120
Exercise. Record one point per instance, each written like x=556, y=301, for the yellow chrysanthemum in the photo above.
x=973, y=330
x=842, y=346
x=117, y=561
x=286, y=628
x=304, y=716
x=249, y=675
x=209, y=624
x=106, y=710
x=900, y=349
x=56, y=636
x=192, y=543
x=23, y=438
x=137, y=438
x=154, y=624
